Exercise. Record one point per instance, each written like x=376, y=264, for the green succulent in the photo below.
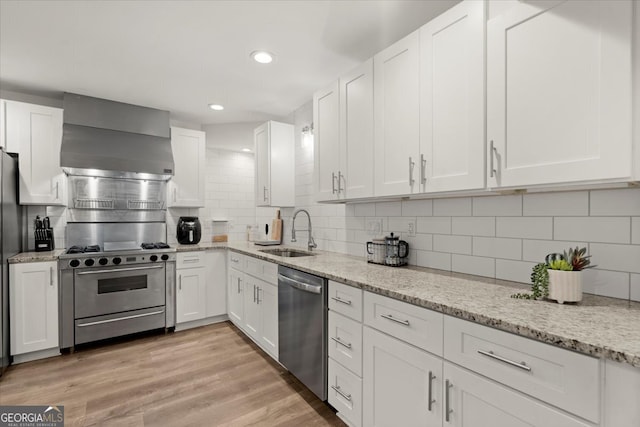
x=576, y=257
x=560, y=264
x=540, y=283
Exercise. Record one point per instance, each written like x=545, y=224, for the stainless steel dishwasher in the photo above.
x=302, y=327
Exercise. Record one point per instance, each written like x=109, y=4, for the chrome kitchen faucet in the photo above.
x=311, y=243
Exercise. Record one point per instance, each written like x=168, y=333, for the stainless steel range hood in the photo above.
x=112, y=139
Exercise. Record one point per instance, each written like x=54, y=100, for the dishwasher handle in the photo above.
x=314, y=289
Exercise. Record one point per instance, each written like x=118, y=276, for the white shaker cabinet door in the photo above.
x=235, y=299
x=267, y=300
x=186, y=188
x=263, y=164
x=355, y=174
x=559, y=93
x=326, y=142
x=396, y=117
x=452, y=100
x=33, y=293
x=190, y=295
x=216, y=274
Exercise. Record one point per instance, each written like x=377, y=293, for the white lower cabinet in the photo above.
x=235, y=296
x=190, y=294
x=33, y=301
x=345, y=393
x=399, y=381
x=474, y=401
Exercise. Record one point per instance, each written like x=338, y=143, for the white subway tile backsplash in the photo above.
x=388, y=209
x=537, y=250
x=635, y=287
x=434, y=225
x=417, y=207
x=365, y=209
x=496, y=247
x=615, y=202
x=574, y=203
x=471, y=226
x=438, y=260
x=473, y=265
x=592, y=229
x=355, y=223
x=516, y=271
x=422, y=242
x=525, y=227
x=498, y=205
x=452, y=244
x=635, y=230
x=606, y=283
x=400, y=224
x=452, y=207
x=616, y=257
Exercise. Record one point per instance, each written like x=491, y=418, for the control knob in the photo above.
x=89, y=262
x=103, y=261
x=153, y=258
x=165, y=257
x=117, y=260
x=74, y=263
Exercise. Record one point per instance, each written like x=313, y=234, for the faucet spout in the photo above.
x=311, y=243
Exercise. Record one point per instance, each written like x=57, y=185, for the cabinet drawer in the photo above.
x=345, y=300
x=345, y=342
x=190, y=259
x=264, y=270
x=345, y=393
x=565, y=379
x=416, y=325
x=236, y=261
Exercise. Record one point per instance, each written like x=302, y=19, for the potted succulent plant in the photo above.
x=559, y=278
x=565, y=274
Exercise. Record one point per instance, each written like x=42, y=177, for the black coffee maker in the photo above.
x=189, y=230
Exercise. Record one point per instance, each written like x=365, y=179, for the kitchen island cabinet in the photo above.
x=33, y=302
x=35, y=133
x=186, y=187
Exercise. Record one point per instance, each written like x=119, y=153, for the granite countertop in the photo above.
x=599, y=326
x=201, y=246
x=37, y=256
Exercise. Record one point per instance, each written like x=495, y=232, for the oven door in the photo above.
x=118, y=289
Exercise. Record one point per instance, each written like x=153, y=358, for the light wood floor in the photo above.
x=209, y=376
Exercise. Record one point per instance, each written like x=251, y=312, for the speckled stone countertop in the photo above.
x=36, y=256
x=201, y=247
x=598, y=326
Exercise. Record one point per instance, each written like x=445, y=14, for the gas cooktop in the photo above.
x=96, y=256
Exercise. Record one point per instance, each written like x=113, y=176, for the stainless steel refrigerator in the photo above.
x=10, y=234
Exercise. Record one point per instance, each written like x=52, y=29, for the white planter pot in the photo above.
x=565, y=286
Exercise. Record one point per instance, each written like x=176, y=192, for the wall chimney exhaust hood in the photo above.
x=112, y=139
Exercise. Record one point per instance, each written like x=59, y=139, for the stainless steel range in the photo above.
x=109, y=294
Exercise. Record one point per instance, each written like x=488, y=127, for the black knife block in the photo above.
x=44, y=240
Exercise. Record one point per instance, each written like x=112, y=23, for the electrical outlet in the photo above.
x=374, y=227
x=411, y=227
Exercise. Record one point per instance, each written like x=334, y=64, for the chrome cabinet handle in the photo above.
x=340, y=176
x=342, y=343
x=254, y=293
x=238, y=285
x=118, y=270
x=258, y=294
x=264, y=193
x=492, y=151
x=180, y=282
x=423, y=169
x=341, y=301
x=174, y=194
x=390, y=317
x=492, y=355
x=57, y=185
x=430, y=397
x=341, y=393
x=411, y=165
x=51, y=276
x=333, y=183
x=447, y=409
x=234, y=259
x=135, y=316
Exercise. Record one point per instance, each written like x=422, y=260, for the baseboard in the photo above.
x=201, y=322
x=35, y=355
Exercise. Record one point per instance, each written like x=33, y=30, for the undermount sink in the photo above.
x=287, y=253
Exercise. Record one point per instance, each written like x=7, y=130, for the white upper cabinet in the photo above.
x=275, y=164
x=326, y=142
x=355, y=175
x=559, y=93
x=452, y=100
x=396, y=117
x=186, y=188
x=35, y=133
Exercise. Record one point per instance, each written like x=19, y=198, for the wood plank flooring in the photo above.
x=209, y=376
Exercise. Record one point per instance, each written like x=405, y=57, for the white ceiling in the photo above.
x=182, y=55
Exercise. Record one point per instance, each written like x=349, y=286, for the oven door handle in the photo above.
x=135, y=316
x=118, y=270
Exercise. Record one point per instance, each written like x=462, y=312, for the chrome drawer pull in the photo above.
x=520, y=365
x=390, y=317
x=341, y=393
x=342, y=301
x=431, y=399
x=447, y=409
x=135, y=316
x=342, y=343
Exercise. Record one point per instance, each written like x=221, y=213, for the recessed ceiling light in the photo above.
x=246, y=150
x=262, y=57
x=216, y=107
